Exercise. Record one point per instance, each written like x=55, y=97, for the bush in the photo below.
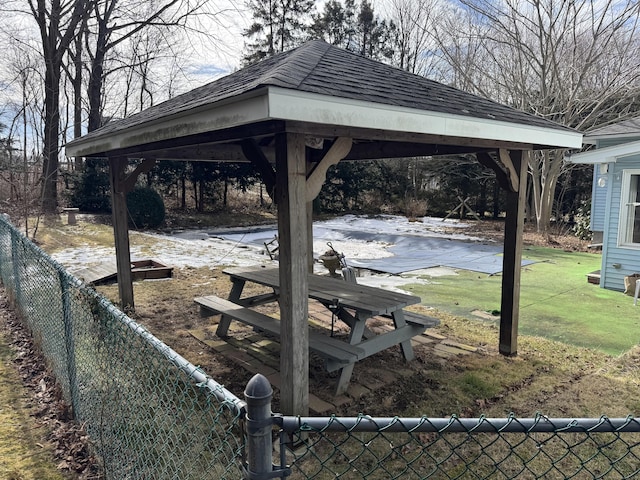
x=146, y=208
x=581, y=229
x=90, y=191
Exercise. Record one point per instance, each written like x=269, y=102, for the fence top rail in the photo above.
x=454, y=424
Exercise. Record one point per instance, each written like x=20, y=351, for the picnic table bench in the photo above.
x=352, y=303
x=336, y=353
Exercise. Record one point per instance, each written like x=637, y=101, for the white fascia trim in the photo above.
x=229, y=113
x=605, y=155
x=594, y=138
x=315, y=108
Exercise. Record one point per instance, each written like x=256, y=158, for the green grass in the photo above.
x=556, y=301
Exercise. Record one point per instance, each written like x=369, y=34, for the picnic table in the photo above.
x=352, y=303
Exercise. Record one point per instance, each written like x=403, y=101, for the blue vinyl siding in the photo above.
x=628, y=258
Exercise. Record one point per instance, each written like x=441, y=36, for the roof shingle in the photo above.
x=320, y=68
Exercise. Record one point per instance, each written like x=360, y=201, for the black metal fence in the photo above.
x=153, y=415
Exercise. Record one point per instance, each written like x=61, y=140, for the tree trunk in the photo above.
x=545, y=168
x=496, y=199
x=77, y=96
x=183, y=192
x=96, y=78
x=201, y=196
x=51, y=132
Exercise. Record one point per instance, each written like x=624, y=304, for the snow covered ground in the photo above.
x=400, y=251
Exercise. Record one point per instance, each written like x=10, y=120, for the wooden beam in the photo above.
x=339, y=149
x=117, y=167
x=512, y=259
x=227, y=135
x=389, y=149
x=310, y=259
x=129, y=182
x=121, y=184
x=294, y=289
x=254, y=153
x=484, y=158
x=214, y=152
x=512, y=173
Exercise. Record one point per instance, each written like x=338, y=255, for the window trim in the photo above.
x=625, y=223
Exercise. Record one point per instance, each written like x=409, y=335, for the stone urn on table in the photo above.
x=332, y=260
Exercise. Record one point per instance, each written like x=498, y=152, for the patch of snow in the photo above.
x=357, y=237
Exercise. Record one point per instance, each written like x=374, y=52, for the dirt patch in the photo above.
x=559, y=236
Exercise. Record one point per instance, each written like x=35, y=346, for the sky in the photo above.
x=204, y=57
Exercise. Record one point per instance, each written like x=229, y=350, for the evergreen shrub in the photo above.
x=146, y=208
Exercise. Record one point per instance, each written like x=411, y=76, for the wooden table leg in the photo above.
x=407, y=349
x=234, y=296
x=351, y=320
x=355, y=337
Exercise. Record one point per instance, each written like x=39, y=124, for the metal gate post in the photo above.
x=258, y=395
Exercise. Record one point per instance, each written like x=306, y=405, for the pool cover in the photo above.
x=410, y=252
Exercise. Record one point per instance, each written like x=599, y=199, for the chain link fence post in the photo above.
x=258, y=429
x=69, y=338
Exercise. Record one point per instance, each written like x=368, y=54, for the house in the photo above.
x=615, y=204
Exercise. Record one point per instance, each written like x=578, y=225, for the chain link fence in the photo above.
x=149, y=412
x=153, y=415
x=455, y=448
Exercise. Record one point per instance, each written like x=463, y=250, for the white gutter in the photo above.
x=314, y=108
x=275, y=103
x=605, y=155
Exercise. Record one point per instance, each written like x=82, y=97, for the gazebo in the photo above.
x=293, y=116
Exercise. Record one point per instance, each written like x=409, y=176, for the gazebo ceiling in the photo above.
x=323, y=92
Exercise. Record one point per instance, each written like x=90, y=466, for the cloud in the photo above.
x=209, y=70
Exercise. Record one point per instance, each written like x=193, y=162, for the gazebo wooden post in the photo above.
x=294, y=303
x=117, y=166
x=512, y=260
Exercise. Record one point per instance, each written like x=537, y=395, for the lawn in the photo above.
x=556, y=301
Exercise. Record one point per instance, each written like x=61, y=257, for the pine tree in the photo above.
x=278, y=25
x=362, y=32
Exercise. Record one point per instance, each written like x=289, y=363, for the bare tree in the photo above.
x=576, y=63
x=24, y=113
x=414, y=43
x=58, y=22
x=114, y=22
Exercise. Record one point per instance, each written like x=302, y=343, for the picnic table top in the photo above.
x=330, y=290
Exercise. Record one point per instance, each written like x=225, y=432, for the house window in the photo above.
x=630, y=209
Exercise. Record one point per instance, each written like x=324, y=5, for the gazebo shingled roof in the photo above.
x=349, y=107
x=318, y=68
